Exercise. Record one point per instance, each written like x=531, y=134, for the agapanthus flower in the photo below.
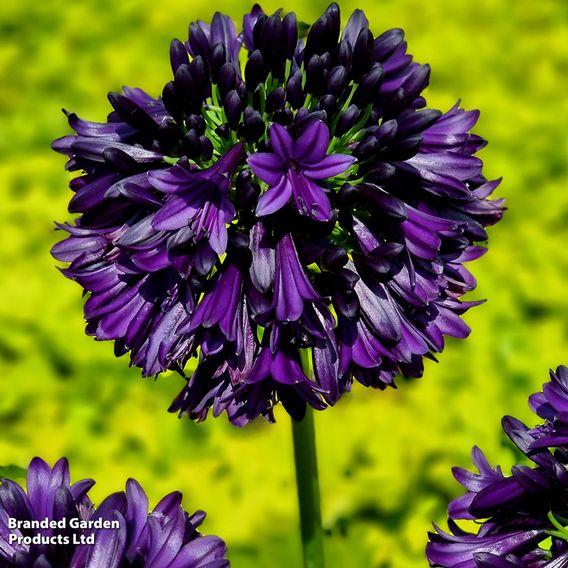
x=522, y=517
x=293, y=218
x=54, y=524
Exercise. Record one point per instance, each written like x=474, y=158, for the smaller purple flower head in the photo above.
x=288, y=217
x=55, y=525
x=516, y=513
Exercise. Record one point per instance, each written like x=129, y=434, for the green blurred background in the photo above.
x=385, y=457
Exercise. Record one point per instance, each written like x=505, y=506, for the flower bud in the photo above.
x=334, y=258
x=169, y=134
x=316, y=40
x=223, y=131
x=347, y=120
x=218, y=58
x=346, y=303
x=131, y=113
x=303, y=120
x=206, y=147
x=253, y=127
x=355, y=25
x=386, y=132
x=171, y=102
x=255, y=70
x=257, y=33
x=198, y=42
x=328, y=103
x=197, y=122
x=200, y=74
x=247, y=191
x=324, y=33
x=386, y=204
x=345, y=54
x=178, y=55
x=380, y=172
x=362, y=54
x=369, y=86
x=326, y=60
x=294, y=93
x=335, y=21
x=192, y=145
x=242, y=90
x=243, y=177
x=347, y=195
x=186, y=88
x=395, y=103
x=183, y=80
x=315, y=75
x=386, y=44
x=237, y=240
x=275, y=100
x=347, y=279
x=366, y=148
x=232, y=106
x=119, y=160
x=270, y=39
x=413, y=121
x=337, y=80
x=372, y=263
x=403, y=148
x=285, y=117
x=417, y=81
x=289, y=34
x=226, y=79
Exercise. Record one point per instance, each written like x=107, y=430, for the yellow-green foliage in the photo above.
x=385, y=457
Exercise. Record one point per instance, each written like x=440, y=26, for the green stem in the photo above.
x=308, y=489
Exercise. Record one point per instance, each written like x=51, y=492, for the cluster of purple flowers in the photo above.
x=293, y=223
x=523, y=517
x=165, y=538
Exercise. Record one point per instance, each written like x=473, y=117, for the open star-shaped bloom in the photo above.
x=293, y=167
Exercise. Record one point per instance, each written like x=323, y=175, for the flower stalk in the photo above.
x=307, y=483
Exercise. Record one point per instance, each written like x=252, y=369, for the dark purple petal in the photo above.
x=291, y=286
x=281, y=141
x=262, y=265
x=329, y=166
x=267, y=167
x=311, y=146
x=108, y=550
x=355, y=25
x=451, y=164
x=249, y=20
x=453, y=551
x=310, y=198
x=274, y=198
x=207, y=551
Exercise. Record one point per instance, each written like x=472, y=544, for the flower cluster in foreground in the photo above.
x=522, y=517
x=165, y=538
x=293, y=222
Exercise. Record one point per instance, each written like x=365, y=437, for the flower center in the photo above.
x=293, y=165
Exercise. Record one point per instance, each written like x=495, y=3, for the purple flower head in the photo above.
x=280, y=227
x=519, y=512
x=57, y=526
